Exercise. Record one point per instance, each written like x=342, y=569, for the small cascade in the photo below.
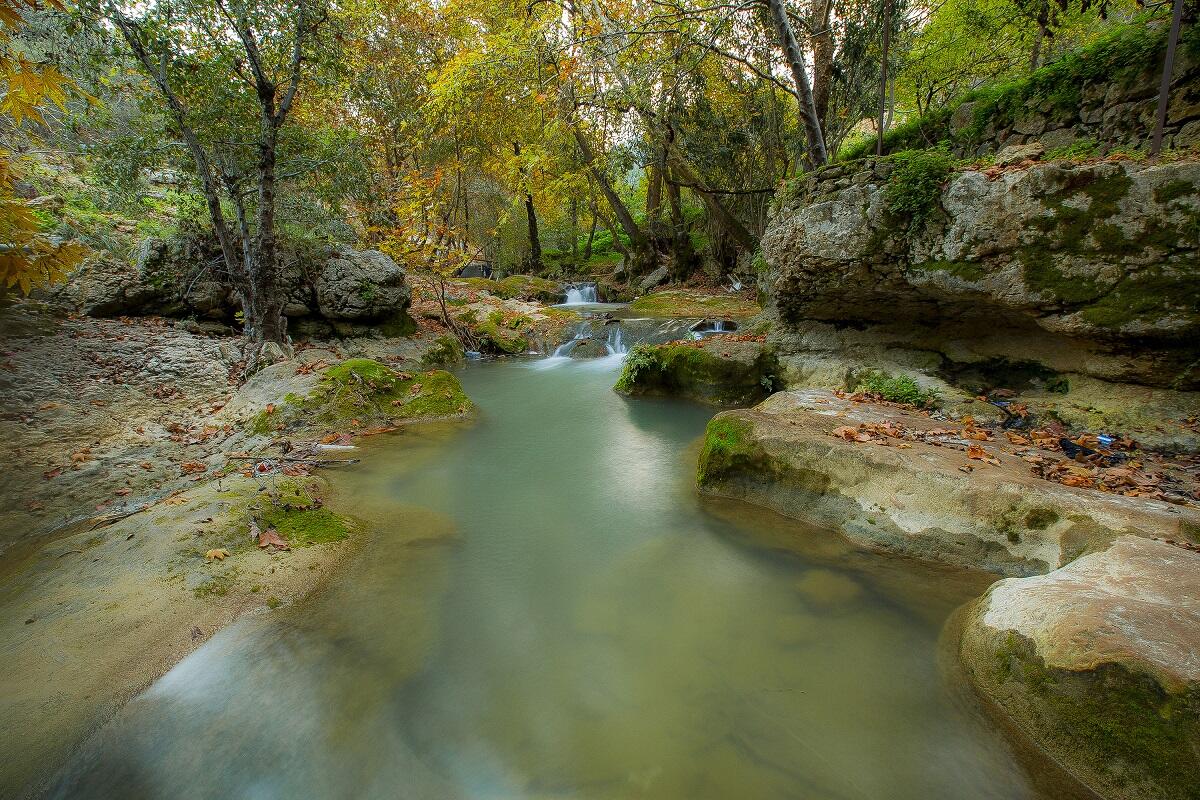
x=707, y=327
x=615, y=344
x=580, y=294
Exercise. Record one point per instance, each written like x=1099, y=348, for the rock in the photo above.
x=963, y=116
x=1093, y=257
x=712, y=370
x=655, y=278
x=1015, y=154
x=357, y=394
x=105, y=287
x=916, y=501
x=1099, y=663
x=361, y=285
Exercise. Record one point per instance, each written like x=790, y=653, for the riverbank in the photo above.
x=143, y=510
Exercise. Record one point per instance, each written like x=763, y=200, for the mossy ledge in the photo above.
x=1117, y=729
x=712, y=371
x=360, y=392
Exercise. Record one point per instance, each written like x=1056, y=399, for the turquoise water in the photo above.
x=546, y=609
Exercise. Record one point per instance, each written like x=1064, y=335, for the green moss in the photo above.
x=1121, y=723
x=914, y=188
x=446, y=351
x=700, y=371
x=1174, y=190
x=499, y=338
x=1146, y=297
x=524, y=287
x=967, y=270
x=372, y=393
x=641, y=359
x=1038, y=519
x=216, y=586
x=728, y=444
x=304, y=527
x=898, y=389
x=1040, y=270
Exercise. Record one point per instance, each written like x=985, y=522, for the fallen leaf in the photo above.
x=220, y=554
x=123, y=491
x=190, y=467
x=979, y=453
x=270, y=538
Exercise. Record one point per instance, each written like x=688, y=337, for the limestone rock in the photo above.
x=1097, y=253
x=361, y=285
x=1099, y=662
x=916, y=501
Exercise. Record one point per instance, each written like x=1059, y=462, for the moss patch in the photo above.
x=728, y=444
x=363, y=390
x=1122, y=724
x=681, y=303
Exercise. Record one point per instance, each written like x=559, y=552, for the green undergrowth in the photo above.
x=1116, y=58
x=914, y=188
x=896, y=389
x=366, y=392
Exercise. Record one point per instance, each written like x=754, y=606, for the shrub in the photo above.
x=915, y=186
x=899, y=389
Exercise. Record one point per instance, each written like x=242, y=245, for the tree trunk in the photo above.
x=823, y=50
x=266, y=323
x=815, y=155
x=726, y=221
x=636, y=237
x=883, y=75
x=535, y=243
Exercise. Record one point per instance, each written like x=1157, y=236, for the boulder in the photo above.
x=105, y=287
x=917, y=500
x=361, y=285
x=1099, y=663
x=655, y=278
x=1018, y=153
x=712, y=370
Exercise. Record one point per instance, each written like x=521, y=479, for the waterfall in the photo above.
x=615, y=344
x=580, y=294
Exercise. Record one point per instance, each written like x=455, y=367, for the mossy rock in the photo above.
x=446, y=351
x=713, y=370
x=677, y=303
x=519, y=287
x=496, y=337
x=361, y=392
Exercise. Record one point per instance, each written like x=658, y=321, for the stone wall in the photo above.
x=1105, y=96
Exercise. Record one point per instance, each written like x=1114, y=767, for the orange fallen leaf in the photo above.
x=220, y=554
x=124, y=490
x=190, y=467
x=270, y=408
x=978, y=453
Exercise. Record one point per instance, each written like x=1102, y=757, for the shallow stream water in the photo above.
x=544, y=608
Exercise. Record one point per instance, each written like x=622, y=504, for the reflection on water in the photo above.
x=546, y=609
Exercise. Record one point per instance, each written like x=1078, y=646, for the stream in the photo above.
x=544, y=608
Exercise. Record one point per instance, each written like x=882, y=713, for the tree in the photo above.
x=229, y=73
x=28, y=257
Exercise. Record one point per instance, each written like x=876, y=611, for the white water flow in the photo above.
x=580, y=294
x=615, y=343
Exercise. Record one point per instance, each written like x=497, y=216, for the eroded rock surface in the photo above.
x=917, y=500
x=1087, y=267
x=1099, y=662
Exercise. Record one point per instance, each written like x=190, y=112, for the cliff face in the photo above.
x=1087, y=268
